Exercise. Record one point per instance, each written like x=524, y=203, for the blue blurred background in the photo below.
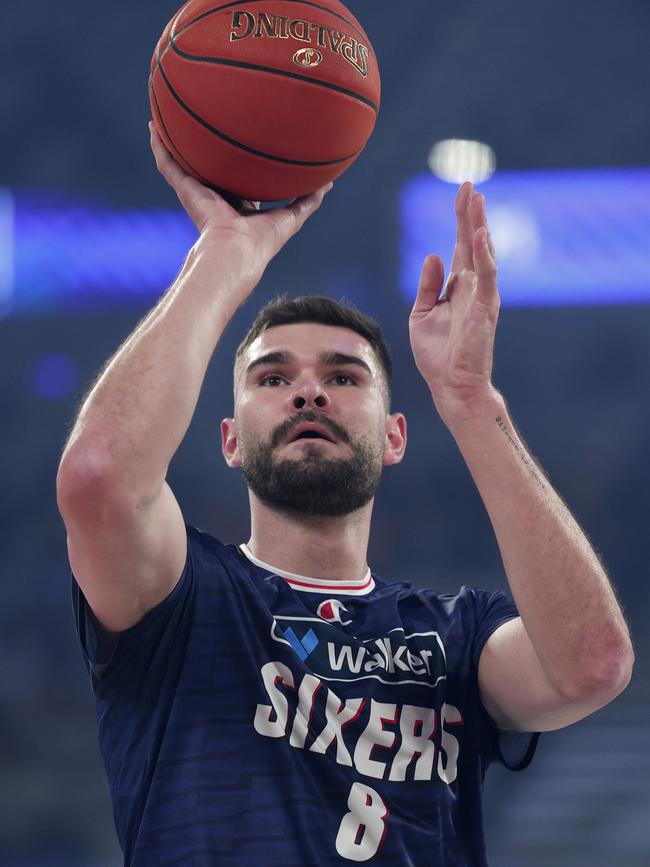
x=90, y=236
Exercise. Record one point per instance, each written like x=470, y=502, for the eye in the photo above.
x=271, y=376
x=346, y=376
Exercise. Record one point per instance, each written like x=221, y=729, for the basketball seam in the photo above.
x=258, y=67
x=240, y=2
x=171, y=140
x=240, y=145
x=232, y=199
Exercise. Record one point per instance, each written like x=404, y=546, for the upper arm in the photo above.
x=126, y=557
x=517, y=692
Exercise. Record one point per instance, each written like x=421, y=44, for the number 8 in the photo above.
x=362, y=830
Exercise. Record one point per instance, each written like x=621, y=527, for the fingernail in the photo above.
x=328, y=187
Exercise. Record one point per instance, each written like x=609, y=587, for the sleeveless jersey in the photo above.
x=257, y=718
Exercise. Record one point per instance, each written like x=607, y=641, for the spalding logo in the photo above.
x=308, y=57
x=263, y=25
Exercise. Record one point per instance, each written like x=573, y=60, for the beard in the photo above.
x=313, y=484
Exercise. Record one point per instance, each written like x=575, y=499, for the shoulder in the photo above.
x=205, y=550
x=221, y=571
x=471, y=613
x=468, y=602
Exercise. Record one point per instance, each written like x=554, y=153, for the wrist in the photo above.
x=236, y=258
x=470, y=409
x=221, y=271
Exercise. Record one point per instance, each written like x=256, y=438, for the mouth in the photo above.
x=310, y=432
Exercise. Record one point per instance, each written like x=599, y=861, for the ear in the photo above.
x=230, y=443
x=395, y=438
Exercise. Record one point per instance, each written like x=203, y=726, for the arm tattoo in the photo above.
x=526, y=461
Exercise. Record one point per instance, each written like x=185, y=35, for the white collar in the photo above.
x=356, y=587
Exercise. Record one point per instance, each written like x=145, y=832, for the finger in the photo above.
x=430, y=286
x=478, y=217
x=477, y=211
x=485, y=267
x=462, y=258
x=289, y=220
x=167, y=166
x=450, y=286
x=197, y=200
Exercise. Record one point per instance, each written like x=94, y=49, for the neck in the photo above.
x=332, y=549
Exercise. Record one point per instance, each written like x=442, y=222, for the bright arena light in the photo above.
x=7, y=242
x=547, y=228
x=457, y=160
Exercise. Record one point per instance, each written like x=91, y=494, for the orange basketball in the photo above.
x=266, y=100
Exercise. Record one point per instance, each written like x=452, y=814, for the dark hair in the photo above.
x=326, y=311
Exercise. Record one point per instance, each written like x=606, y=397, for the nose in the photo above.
x=308, y=395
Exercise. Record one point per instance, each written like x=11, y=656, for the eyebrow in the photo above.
x=327, y=359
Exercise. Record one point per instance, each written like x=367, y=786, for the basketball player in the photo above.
x=276, y=702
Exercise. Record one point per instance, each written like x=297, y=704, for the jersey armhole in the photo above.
x=516, y=749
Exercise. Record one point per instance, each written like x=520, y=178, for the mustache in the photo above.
x=283, y=430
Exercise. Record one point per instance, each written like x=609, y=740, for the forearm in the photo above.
x=563, y=594
x=138, y=412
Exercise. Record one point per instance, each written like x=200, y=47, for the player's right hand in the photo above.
x=266, y=232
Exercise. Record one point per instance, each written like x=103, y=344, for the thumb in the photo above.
x=430, y=285
x=287, y=221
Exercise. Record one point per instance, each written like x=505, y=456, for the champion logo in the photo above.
x=331, y=609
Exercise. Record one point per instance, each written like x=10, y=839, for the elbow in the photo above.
x=84, y=480
x=624, y=666
x=93, y=489
x=608, y=676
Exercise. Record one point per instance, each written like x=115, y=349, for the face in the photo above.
x=311, y=432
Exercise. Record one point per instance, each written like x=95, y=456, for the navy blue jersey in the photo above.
x=260, y=718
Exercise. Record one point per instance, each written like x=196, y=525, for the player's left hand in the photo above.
x=452, y=332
